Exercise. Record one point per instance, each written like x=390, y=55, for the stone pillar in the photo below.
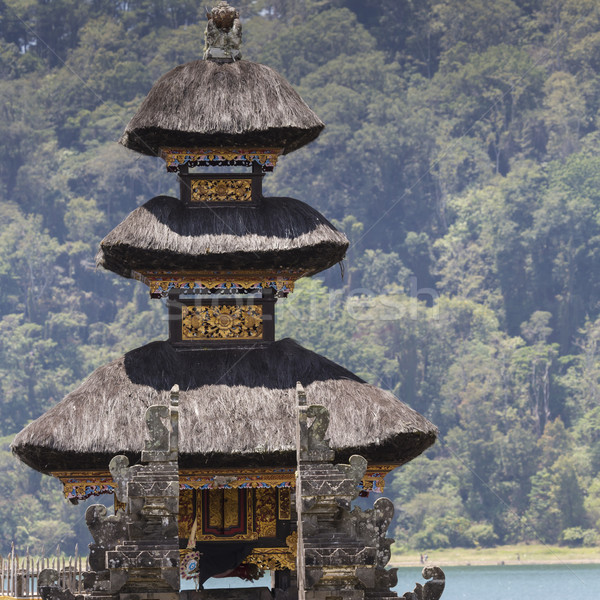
x=135, y=552
x=146, y=564
x=333, y=564
x=342, y=553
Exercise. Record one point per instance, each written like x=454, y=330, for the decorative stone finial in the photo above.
x=223, y=33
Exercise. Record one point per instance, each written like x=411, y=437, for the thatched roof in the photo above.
x=215, y=104
x=166, y=234
x=237, y=407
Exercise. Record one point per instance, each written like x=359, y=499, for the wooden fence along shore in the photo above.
x=19, y=575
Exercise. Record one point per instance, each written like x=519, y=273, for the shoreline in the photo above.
x=526, y=555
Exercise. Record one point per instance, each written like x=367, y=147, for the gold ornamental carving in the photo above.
x=83, y=484
x=251, y=477
x=221, y=322
x=284, y=503
x=176, y=157
x=266, y=512
x=374, y=478
x=221, y=190
x=161, y=282
x=187, y=512
x=276, y=559
x=227, y=515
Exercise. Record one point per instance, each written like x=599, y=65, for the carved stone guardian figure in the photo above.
x=223, y=33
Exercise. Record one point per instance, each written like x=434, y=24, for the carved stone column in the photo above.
x=146, y=564
x=342, y=553
x=333, y=563
x=135, y=552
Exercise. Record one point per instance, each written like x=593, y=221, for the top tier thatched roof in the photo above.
x=237, y=408
x=166, y=234
x=221, y=104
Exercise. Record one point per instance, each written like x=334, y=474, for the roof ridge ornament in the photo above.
x=223, y=34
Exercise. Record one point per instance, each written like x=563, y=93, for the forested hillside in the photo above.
x=461, y=157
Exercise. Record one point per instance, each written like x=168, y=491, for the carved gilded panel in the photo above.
x=266, y=512
x=276, y=559
x=225, y=514
x=216, y=511
x=161, y=282
x=221, y=190
x=83, y=484
x=231, y=510
x=177, y=157
x=221, y=322
x=285, y=503
x=186, y=512
x=249, y=477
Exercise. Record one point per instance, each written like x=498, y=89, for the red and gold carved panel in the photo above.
x=225, y=514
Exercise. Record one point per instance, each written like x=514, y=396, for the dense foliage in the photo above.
x=461, y=158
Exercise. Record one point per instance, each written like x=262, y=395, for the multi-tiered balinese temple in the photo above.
x=222, y=255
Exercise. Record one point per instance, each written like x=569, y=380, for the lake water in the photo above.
x=543, y=582
x=526, y=582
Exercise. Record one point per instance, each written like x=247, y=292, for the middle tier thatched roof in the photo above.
x=237, y=408
x=165, y=234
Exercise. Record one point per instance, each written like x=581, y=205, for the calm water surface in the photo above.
x=543, y=582
x=547, y=582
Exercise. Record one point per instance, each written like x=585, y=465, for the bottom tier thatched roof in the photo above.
x=237, y=408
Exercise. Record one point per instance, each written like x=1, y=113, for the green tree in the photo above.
x=475, y=24
x=544, y=520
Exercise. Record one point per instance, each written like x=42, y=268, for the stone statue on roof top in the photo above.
x=223, y=33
